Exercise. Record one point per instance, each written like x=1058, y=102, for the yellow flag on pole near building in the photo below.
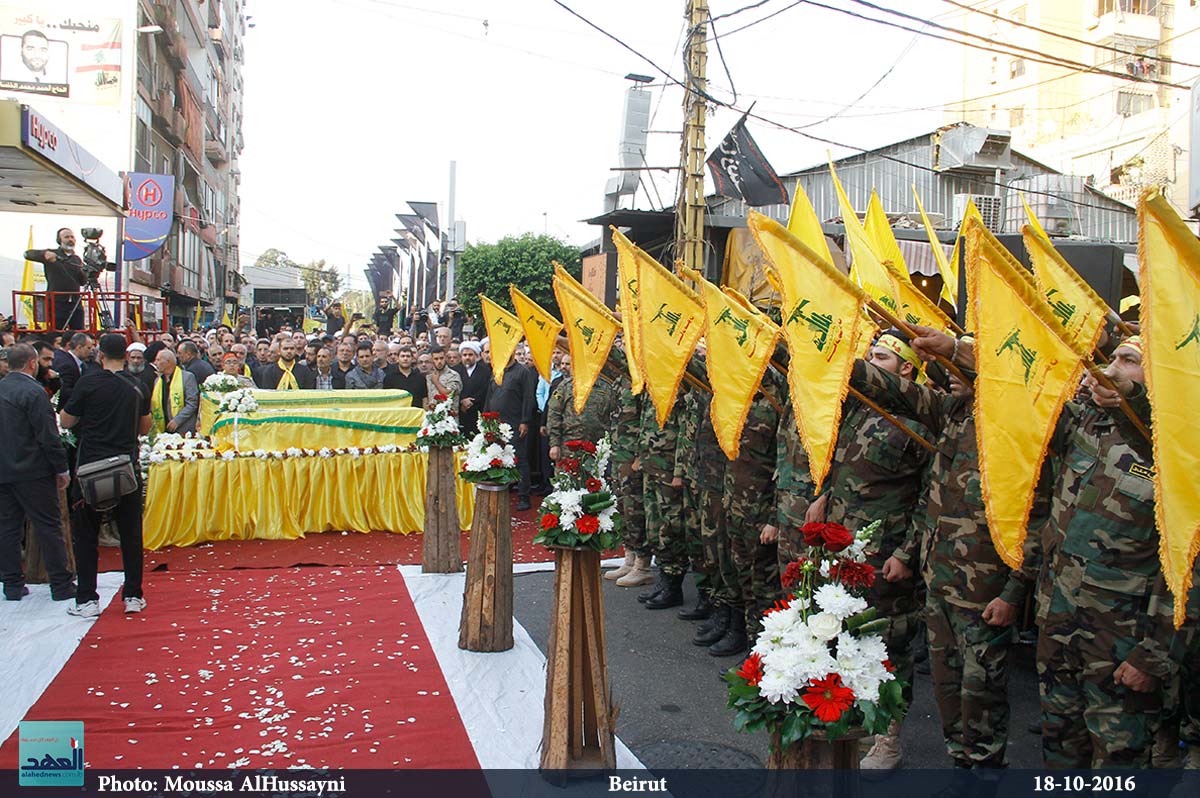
x=591, y=330
x=1026, y=372
x=631, y=319
x=883, y=240
x=804, y=225
x=541, y=330
x=866, y=269
x=1078, y=308
x=504, y=333
x=912, y=306
x=824, y=327
x=28, y=284
x=1170, y=325
x=672, y=322
x=971, y=212
x=740, y=341
x=948, y=270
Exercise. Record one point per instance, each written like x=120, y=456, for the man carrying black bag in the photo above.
x=108, y=410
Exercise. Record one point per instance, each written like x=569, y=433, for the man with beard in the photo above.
x=64, y=277
x=476, y=377
x=406, y=378
x=514, y=400
x=135, y=364
x=286, y=374
x=72, y=362
x=46, y=374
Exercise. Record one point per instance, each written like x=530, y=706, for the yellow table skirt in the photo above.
x=277, y=430
x=384, y=399
x=248, y=498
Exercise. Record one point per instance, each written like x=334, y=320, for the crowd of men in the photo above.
x=1118, y=685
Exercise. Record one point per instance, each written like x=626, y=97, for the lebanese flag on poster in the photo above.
x=100, y=57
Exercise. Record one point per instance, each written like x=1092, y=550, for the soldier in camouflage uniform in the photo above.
x=749, y=502
x=972, y=596
x=662, y=487
x=702, y=559
x=1104, y=611
x=626, y=427
x=877, y=474
x=564, y=424
x=793, y=491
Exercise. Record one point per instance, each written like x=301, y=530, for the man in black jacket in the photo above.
x=286, y=374
x=476, y=378
x=64, y=276
x=514, y=400
x=71, y=362
x=190, y=360
x=33, y=467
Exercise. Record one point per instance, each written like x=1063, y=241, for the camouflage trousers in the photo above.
x=969, y=664
x=703, y=566
x=726, y=590
x=756, y=564
x=791, y=507
x=1087, y=721
x=632, y=509
x=664, y=523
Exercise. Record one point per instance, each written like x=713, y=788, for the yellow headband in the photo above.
x=1134, y=342
x=894, y=344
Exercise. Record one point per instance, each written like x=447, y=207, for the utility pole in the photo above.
x=689, y=213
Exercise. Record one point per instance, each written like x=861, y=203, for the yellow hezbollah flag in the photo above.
x=27, y=284
x=971, y=212
x=1170, y=317
x=824, y=327
x=541, y=330
x=804, y=225
x=672, y=322
x=1027, y=370
x=1080, y=311
x=913, y=307
x=199, y=312
x=740, y=342
x=504, y=333
x=865, y=268
x=631, y=318
x=948, y=271
x=879, y=233
x=591, y=330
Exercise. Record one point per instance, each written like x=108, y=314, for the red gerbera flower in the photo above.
x=569, y=465
x=752, y=670
x=854, y=575
x=828, y=698
x=593, y=485
x=549, y=521
x=588, y=524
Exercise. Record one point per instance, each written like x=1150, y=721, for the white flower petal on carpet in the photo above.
x=39, y=637
x=499, y=695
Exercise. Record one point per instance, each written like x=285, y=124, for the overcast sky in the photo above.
x=353, y=107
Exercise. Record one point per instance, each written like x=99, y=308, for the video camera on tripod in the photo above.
x=95, y=257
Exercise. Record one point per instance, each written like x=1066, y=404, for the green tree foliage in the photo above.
x=525, y=261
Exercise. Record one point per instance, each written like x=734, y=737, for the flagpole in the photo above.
x=909, y=331
x=689, y=211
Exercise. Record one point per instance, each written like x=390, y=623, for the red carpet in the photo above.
x=265, y=669
x=349, y=549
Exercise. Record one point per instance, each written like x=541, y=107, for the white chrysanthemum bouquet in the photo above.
x=490, y=454
x=582, y=510
x=441, y=425
x=221, y=383
x=237, y=401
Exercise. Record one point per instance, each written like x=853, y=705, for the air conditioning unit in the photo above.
x=990, y=208
x=216, y=35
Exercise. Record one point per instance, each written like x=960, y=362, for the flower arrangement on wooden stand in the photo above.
x=491, y=457
x=819, y=673
x=440, y=427
x=439, y=435
x=582, y=510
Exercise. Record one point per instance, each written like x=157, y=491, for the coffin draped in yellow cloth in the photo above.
x=250, y=498
x=276, y=430
x=287, y=400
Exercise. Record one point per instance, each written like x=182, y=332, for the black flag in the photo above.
x=740, y=170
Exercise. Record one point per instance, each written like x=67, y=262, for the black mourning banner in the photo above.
x=740, y=170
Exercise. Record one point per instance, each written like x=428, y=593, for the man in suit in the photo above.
x=286, y=374
x=33, y=467
x=71, y=361
x=476, y=377
x=514, y=400
x=189, y=358
x=175, y=402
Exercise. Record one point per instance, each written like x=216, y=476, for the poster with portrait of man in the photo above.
x=61, y=56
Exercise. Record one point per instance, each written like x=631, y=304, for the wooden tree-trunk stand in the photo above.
x=441, y=552
x=578, y=731
x=487, y=619
x=816, y=752
x=35, y=565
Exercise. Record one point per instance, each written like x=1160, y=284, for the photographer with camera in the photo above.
x=64, y=276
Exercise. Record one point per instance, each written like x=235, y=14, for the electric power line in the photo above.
x=736, y=11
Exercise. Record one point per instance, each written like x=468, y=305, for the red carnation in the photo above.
x=833, y=537
x=489, y=416
x=588, y=447
x=497, y=462
x=888, y=666
x=490, y=437
x=549, y=521
x=569, y=465
x=828, y=698
x=793, y=573
x=588, y=524
x=439, y=397
x=752, y=670
x=593, y=485
x=853, y=574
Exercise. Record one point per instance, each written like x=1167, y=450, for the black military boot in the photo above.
x=671, y=595
x=702, y=611
x=734, y=643
x=714, y=628
x=655, y=589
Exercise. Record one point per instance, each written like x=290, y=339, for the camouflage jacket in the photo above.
x=791, y=458
x=564, y=424
x=657, y=447
x=704, y=461
x=750, y=479
x=626, y=422
x=1102, y=576
x=877, y=473
x=958, y=561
